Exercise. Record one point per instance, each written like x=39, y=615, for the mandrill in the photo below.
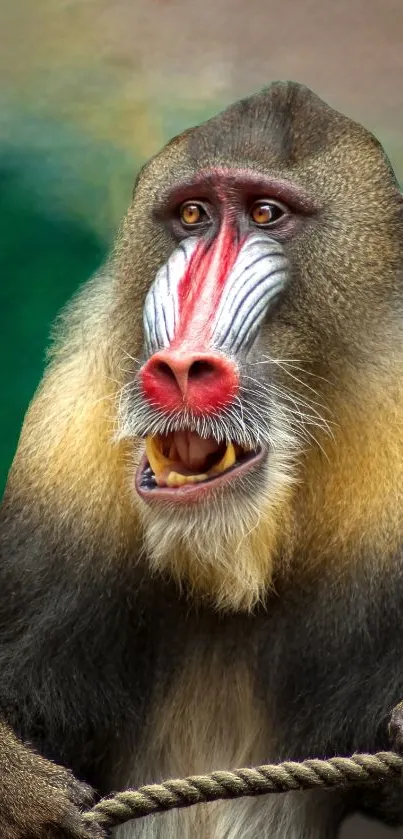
x=201, y=535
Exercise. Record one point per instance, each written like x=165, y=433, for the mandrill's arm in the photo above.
x=72, y=670
x=38, y=798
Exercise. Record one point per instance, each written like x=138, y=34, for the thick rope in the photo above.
x=338, y=772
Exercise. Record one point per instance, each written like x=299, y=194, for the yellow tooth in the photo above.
x=226, y=461
x=156, y=459
x=175, y=479
x=158, y=462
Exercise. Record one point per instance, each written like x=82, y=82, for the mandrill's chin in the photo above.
x=223, y=549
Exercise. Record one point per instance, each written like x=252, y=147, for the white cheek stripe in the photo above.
x=160, y=316
x=258, y=276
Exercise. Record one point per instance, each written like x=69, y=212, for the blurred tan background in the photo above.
x=90, y=88
x=129, y=73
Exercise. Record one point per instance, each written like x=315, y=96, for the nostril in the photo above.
x=200, y=369
x=163, y=369
x=202, y=382
x=197, y=370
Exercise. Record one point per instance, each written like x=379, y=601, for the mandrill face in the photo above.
x=201, y=322
x=251, y=252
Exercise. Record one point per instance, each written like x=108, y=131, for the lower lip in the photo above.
x=196, y=492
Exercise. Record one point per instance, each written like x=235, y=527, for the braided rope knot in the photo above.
x=357, y=770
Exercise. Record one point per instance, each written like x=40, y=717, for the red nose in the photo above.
x=201, y=382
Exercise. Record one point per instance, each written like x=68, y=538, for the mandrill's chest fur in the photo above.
x=291, y=681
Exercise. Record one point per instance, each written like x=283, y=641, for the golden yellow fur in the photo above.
x=343, y=492
x=66, y=458
x=350, y=497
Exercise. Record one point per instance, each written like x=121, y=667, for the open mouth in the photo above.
x=183, y=465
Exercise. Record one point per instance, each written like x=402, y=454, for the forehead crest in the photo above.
x=285, y=122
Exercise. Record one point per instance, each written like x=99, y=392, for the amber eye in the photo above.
x=192, y=213
x=265, y=213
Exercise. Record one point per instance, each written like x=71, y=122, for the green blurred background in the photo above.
x=90, y=88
